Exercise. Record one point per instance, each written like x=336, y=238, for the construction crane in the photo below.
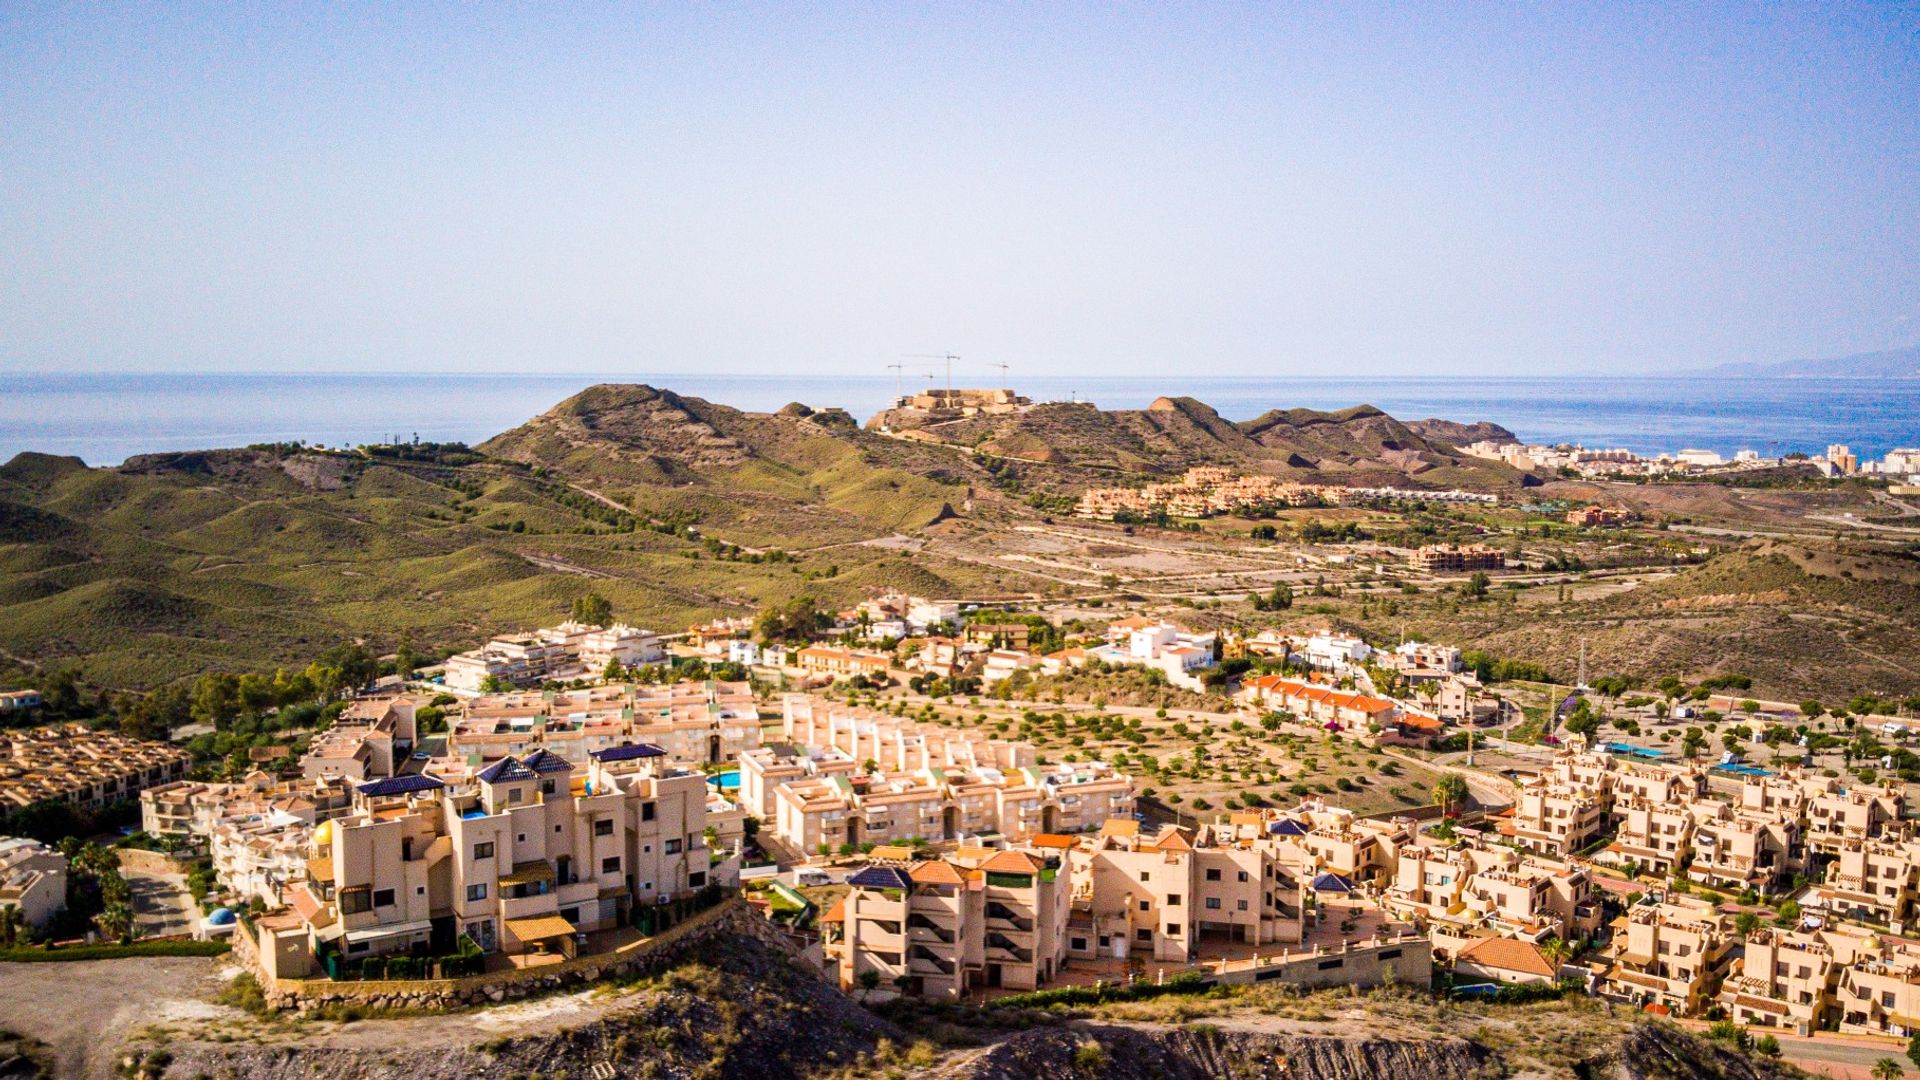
x=948, y=357
x=1002, y=365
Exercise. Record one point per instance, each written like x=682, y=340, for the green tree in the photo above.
x=1476, y=585
x=1449, y=791
x=1888, y=1069
x=592, y=609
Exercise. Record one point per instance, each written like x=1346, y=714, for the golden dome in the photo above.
x=323, y=836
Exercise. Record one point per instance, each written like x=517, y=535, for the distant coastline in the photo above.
x=105, y=418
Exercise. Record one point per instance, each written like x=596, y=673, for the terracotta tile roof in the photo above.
x=1012, y=862
x=837, y=913
x=1055, y=840
x=1507, y=954
x=935, y=872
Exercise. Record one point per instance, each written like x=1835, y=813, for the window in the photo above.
x=1213, y=875
x=646, y=811
x=356, y=946
x=546, y=787
x=1144, y=876
x=476, y=892
x=603, y=827
x=522, y=838
x=1173, y=929
x=1143, y=905
x=383, y=898
x=1078, y=943
x=1145, y=933
x=696, y=879
x=673, y=847
x=1173, y=899
x=419, y=890
x=556, y=828
x=483, y=850
x=514, y=796
x=1213, y=903
x=1243, y=875
x=355, y=901
x=610, y=866
x=1241, y=904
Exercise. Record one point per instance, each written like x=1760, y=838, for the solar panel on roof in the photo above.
x=401, y=785
x=881, y=877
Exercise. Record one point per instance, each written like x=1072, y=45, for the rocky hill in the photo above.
x=1361, y=445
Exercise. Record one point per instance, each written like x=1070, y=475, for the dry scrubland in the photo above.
x=679, y=510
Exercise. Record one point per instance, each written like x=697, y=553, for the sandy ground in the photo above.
x=85, y=1008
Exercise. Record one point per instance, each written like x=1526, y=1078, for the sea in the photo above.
x=106, y=418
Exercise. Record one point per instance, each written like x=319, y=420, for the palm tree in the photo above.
x=10, y=922
x=1449, y=790
x=1887, y=1069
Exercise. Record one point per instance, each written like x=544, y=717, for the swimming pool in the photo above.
x=1630, y=749
x=726, y=781
x=1742, y=770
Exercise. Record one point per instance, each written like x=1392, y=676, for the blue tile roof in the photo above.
x=401, y=785
x=628, y=753
x=881, y=877
x=1332, y=883
x=507, y=768
x=1286, y=827
x=546, y=761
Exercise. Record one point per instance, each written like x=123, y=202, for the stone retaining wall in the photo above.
x=664, y=950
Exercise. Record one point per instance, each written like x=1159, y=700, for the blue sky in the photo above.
x=1210, y=189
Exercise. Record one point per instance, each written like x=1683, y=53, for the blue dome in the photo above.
x=222, y=917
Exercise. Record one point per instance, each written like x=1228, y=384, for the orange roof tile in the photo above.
x=836, y=913
x=1054, y=840
x=1012, y=862
x=935, y=872
x=1507, y=954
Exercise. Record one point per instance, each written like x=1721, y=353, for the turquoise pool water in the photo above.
x=726, y=781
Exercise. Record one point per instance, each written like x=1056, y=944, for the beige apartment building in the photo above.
x=1655, y=835
x=840, y=808
x=91, y=769
x=1786, y=979
x=1558, y=819
x=941, y=928
x=1467, y=890
x=1879, y=993
x=1738, y=850
x=369, y=740
x=527, y=856
x=1857, y=813
x=891, y=743
x=1673, y=953
x=1168, y=894
x=696, y=723
x=1870, y=881
x=33, y=880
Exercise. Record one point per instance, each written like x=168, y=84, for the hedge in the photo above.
x=113, y=952
x=1187, y=982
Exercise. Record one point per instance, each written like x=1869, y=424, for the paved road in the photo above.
x=161, y=904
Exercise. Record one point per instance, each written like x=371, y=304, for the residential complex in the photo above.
x=568, y=651
x=1458, y=558
x=90, y=769
x=526, y=856
x=696, y=723
x=33, y=880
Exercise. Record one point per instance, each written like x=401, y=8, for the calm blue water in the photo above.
x=105, y=418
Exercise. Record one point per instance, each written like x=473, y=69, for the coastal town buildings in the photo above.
x=1458, y=558
x=1671, y=952
x=694, y=722
x=526, y=856
x=568, y=651
x=33, y=880
x=89, y=769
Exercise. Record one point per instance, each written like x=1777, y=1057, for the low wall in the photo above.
x=149, y=862
x=1407, y=961
x=731, y=916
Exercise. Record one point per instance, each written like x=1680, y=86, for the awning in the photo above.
x=320, y=868
x=373, y=933
x=529, y=873
x=541, y=928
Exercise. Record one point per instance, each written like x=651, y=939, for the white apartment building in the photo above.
x=33, y=879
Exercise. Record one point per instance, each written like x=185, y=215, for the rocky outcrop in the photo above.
x=1201, y=1051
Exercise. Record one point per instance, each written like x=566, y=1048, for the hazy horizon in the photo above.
x=1234, y=191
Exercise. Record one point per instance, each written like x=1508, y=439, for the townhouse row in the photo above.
x=568, y=651
x=90, y=769
x=696, y=723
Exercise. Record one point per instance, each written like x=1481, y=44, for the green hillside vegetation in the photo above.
x=243, y=560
